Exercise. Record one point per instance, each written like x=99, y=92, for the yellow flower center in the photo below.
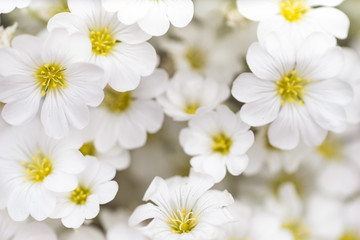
x=196, y=57
x=298, y=230
x=293, y=10
x=182, y=221
x=191, y=108
x=349, y=236
x=291, y=88
x=88, y=148
x=221, y=144
x=116, y=102
x=102, y=41
x=38, y=168
x=331, y=149
x=80, y=195
x=50, y=77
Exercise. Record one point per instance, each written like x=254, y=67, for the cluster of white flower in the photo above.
x=100, y=99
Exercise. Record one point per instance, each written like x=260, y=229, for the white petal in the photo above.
x=143, y=212
x=331, y=20
x=148, y=114
x=179, y=13
x=58, y=182
x=71, y=22
x=262, y=64
x=129, y=11
x=42, y=202
x=330, y=3
x=155, y=22
x=258, y=10
x=153, y=85
x=283, y=132
x=132, y=135
x=241, y=142
x=92, y=207
x=248, y=88
x=75, y=219
x=237, y=164
x=260, y=112
x=106, y=192
x=19, y=112
x=18, y=204
x=53, y=116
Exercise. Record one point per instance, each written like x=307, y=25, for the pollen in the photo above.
x=88, y=148
x=80, y=195
x=349, y=236
x=50, y=77
x=182, y=221
x=196, y=57
x=102, y=41
x=221, y=144
x=116, y=102
x=191, y=108
x=38, y=168
x=291, y=88
x=297, y=229
x=293, y=10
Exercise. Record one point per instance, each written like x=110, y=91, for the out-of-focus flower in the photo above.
x=152, y=17
x=7, y=6
x=35, y=168
x=94, y=188
x=83, y=233
x=351, y=74
x=208, y=56
x=183, y=208
x=35, y=231
x=7, y=34
x=253, y=224
x=50, y=74
x=217, y=140
x=189, y=93
x=119, y=49
x=296, y=90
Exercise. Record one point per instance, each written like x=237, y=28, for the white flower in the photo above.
x=50, y=74
x=189, y=93
x=6, y=35
x=7, y=6
x=338, y=169
x=153, y=17
x=217, y=141
x=296, y=18
x=95, y=187
x=119, y=49
x=35, y=168
x=125, y=118
x=183, y=208
x=297, y=91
